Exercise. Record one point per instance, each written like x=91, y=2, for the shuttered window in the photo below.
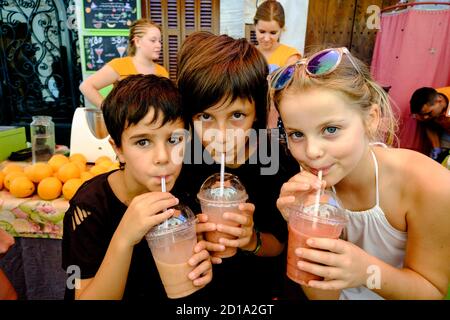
x=178, y=19
x=189, y=14
x=172, y=56
x=156, y=10
x=205, y=14
x=250, y=33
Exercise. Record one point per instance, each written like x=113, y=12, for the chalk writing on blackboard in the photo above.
x=99, y=50
x=109, y=14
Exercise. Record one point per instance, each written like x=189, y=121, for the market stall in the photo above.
x=33, y=264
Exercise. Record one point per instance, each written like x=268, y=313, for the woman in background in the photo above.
x=269, y=22
x=144, y=47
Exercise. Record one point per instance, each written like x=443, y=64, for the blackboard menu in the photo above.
x=109, y=14
x=99, y=50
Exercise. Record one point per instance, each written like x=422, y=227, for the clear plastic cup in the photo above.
x=214, y=204
x=308, y=220
x=172, y=245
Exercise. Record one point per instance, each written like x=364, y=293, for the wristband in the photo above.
x=258, y=243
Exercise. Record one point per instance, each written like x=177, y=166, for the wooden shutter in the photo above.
x=250, y=33
x=155, y=8
x=189, y=17
x=205, y=15
x=178, y=19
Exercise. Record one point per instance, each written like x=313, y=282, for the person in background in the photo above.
x=144, y=47
x=110, y=214
x=223, y=84
x=395, y=244
x=444, y=93
x=7, y=291
x=269, y=22
x=430, y=107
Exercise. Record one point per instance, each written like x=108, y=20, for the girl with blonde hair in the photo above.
x=144, y=47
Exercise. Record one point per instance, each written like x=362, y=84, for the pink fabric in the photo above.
x=412, y=50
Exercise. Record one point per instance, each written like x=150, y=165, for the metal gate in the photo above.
x=40, y=68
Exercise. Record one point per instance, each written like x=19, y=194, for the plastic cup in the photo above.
x=307, y=220
x=214, y=203
x=172, y=245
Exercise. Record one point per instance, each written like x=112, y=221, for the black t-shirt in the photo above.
x=89, y=224
x=245, y=276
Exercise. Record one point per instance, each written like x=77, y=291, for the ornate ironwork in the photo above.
x=40, y=66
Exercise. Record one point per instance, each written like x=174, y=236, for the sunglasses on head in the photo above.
x=319, y=64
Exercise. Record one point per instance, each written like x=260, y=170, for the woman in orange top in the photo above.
x=144, y=47
x=269, y=22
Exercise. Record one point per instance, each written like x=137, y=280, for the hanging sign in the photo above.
x=109, y=14
x=101, y=49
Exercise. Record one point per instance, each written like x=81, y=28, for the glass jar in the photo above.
x=42, y=132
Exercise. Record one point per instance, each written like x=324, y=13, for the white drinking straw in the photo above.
x=163, y=189
x=163, y=184
x=222, y=172
x=316, y=202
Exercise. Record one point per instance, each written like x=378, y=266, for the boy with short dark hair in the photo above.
x=110, y=214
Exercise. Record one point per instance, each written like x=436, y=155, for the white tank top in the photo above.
x=371, y=231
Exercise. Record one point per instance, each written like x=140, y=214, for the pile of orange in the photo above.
x=60, y=174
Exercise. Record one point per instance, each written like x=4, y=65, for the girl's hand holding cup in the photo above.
x=302, y=182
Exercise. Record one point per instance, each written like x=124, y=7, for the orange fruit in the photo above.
x=70, y=188
x=68, y=171
x=21, y=187
x=97, y=169
x=85, y=176
x=12, y=167
x=57, y=160
x=78, y=157
x=102, y=158
x=114, y=166
x=2, y=177
x=11, y=176
x=38, y=171
x=81, y=165
x=105, y=163
x=49, y=188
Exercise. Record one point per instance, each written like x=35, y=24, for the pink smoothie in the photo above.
x=175, y=279
x=215, y=215
x=173, y=268
x=300, y=230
